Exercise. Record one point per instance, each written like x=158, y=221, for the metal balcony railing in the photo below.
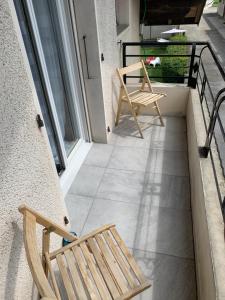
x=197, y=65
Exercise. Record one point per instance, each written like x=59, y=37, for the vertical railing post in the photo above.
x=191, y=80
x=203, y=88
x=204, y=151
x=124, y=62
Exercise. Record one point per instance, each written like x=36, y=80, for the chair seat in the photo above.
x=144, y=98
x=99, y=266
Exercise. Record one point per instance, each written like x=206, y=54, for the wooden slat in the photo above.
x=65, y=277
x=130, y=68
x=84, y=272
x=45, y=248
x=130, y=294
x=148, y=97
x=128, y=256
x=112, y=265
x=103, y=291
x=54, y=283
x=141, y=95
x=75, y=275
x=104, y=270
x=134, y=92
x=83, y=238
x=148, y=101
x=123, y=266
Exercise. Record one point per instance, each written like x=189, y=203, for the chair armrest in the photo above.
x=47, y=223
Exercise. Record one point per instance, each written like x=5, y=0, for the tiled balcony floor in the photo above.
x=143, y=187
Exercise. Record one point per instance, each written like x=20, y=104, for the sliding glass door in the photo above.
x=48, y=36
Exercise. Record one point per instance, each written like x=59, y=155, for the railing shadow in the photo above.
x=153, y=224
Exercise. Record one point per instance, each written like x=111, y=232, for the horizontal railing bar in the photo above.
x=185, y=77
x=159, y=44
x=159, y=55
x=161, y=67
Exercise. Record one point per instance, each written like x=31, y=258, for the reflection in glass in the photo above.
x=49, y=31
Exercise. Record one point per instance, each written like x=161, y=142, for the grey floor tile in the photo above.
x=172, y=278
x=99, y=155
x=167, y=162
x=112, y=138
x=123, y=215
x=122, y=185
x=87, y=181
x=134, y=141
x=128, y=158
x=168, y=140
x=174, y=124
x=167, y=191
x=165, y=230
x=78, y=208
x=128, y=134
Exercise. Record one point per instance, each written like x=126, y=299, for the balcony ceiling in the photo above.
x=171, y=12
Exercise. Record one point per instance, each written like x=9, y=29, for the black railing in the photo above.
x=200, y=68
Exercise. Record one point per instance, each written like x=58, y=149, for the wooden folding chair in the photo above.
x=139, y=98
x=95, y=266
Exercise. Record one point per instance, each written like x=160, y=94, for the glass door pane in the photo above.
x=51, y=43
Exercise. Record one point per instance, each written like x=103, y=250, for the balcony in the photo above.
x=164, y=192
x=143, y=187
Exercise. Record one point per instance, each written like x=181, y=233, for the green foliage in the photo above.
x=175, y=66
x=170, y=66
x=153, y=51
x=216, y=2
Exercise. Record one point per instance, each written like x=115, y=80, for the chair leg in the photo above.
x=158, y=111
x=135, y=119
x=138, y=110
x=119, y=108
x=118, y=112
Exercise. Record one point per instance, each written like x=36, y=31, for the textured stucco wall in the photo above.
x=107, y=35
x=206, y=212
x=86, y=21
x=27, y=172
x=106, y=23
x=131, y=34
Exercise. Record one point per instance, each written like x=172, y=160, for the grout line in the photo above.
x=94, y=197
x=165, y=254
x=143, y=171
x=137, y=203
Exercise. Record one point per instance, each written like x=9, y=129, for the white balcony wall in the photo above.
x=28, y=174
x=97, y=21
x=112, y=50
x=106, y=24
x=208, y=225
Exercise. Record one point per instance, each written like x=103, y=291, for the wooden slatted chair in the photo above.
x=95, y=266
x=139, y=98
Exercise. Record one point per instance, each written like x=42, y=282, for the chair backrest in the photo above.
x=131, y=68
x=30, y=220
